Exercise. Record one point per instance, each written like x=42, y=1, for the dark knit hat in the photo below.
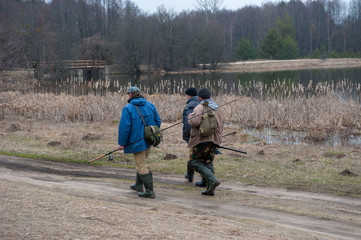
x=204, y=93
x=191, y=91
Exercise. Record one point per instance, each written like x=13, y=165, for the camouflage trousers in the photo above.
x=203, y=152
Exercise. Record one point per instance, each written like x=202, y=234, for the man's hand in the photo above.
x=121, y=147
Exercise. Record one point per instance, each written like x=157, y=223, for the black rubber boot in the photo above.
x=201, y=183
x=147, y=180
x=189, y=177
x=138, y=186
x=190, y=173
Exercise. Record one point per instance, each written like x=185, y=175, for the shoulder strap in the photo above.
x=141, y=116
x=205, y=103
x=206, y=108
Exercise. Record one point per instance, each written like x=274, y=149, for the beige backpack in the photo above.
x=209, y=121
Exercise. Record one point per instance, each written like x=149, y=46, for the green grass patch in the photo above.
x=310, y=168
x=42, y=157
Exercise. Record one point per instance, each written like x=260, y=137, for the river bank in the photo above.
x=278, y=65
x=239, y=66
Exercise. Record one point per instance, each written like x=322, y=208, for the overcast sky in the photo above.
x=151, y=6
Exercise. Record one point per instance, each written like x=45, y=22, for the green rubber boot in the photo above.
x=147, y=180
x=203, y=183
x=138, y=186
x=212, y=182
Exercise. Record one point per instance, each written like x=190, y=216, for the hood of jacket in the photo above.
x=138, y=101
x=211, y=103
x=192, y=102
x=194, y=98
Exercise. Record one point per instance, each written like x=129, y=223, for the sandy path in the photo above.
x=48, y=200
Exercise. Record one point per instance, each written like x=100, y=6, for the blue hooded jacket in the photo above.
x=131, y=127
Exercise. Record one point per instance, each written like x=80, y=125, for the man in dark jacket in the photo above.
x=192, y=102
x=131, y=138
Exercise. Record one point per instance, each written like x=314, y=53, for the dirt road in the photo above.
x=49, y=200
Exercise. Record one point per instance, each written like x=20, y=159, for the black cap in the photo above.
x=191, y=91
x=204, y=93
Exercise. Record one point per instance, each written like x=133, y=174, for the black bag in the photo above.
x=152, y=134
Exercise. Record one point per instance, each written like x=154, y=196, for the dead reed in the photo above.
x=318, y=109
x=88, y=108
x=322, y=114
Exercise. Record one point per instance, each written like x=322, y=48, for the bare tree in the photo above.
x=119, y=32
x=10, y=47
x=210, y=7
x=354, y=23
x=133, y=31
x=64, y=24
x=167, y=37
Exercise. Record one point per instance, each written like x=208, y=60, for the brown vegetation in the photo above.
x=280, y=106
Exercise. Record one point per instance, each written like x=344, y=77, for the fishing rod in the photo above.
x=198, y=115
x=160, y=131
x=225, y=135
x=109, y=159
x=231, y=149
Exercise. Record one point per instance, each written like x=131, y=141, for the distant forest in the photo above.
x=118, y=32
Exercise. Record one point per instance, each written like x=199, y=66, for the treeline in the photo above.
x=120, y=33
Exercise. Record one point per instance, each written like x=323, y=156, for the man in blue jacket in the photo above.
x=131, y=138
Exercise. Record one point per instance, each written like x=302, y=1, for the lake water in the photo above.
x=348, y=80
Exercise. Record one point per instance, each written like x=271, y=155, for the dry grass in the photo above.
x=88, y=108
x=319, y=115
x=315, y=115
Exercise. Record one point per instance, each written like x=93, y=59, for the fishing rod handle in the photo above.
x=103, y=155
